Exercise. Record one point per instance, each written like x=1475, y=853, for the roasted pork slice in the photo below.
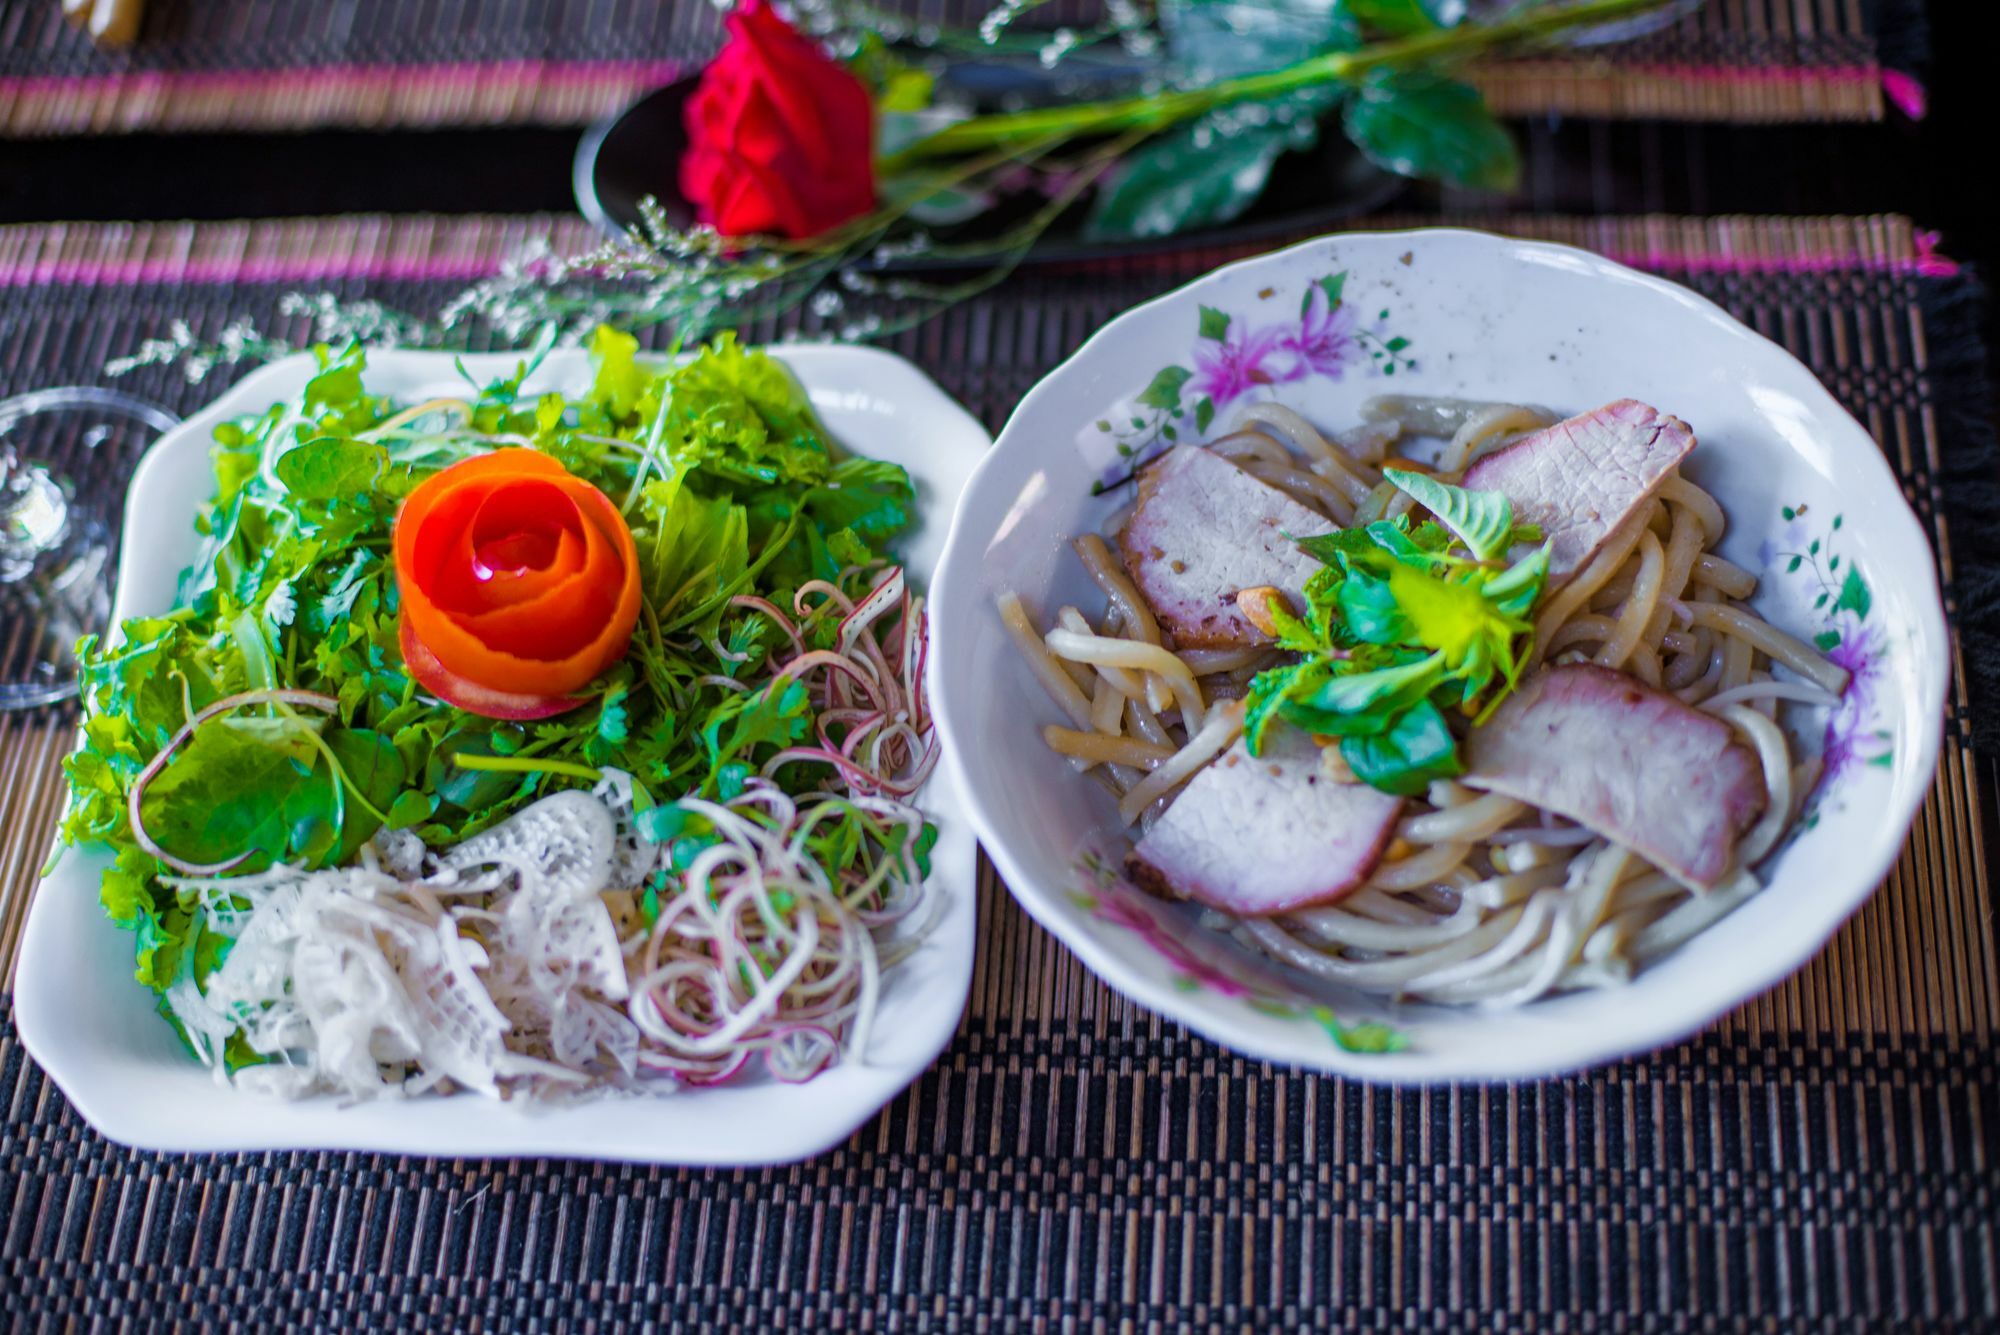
x=1625, y=761
x=1203, y=531
x=1257, y=835
x=1582, y=478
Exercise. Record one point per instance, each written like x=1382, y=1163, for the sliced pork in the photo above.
x=1625, y=761
x=1256, y=835
x=1203, y=531
x=1582, y=478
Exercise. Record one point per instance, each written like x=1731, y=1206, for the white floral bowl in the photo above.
x=1813, y=507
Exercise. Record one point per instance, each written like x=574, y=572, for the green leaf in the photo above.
x=1164, y=391
x=665, y=823
x=375, y=771
x=617, y=381
x=1202, y=174
x=870, y=500
x=1421, y=125
x=243, y=787
x=1214, y=324
x=1370, y=1037
x=1370, y=610
x=1328, y=548
x=1827, y=641
x=473, y=790
x=1515, y=590
x=1407, y=18
x=1293, y=633
x=1268, y=691
x=1204, y=412
x=411, y=808
x=846, y=548
x=694, y=547
x=774, y=716
x=1482, y=520
x=1363, y=703
x=907, y=88
x=1417, y=748
x=1854, y=595
x=339, y=385
x=124, y=896
x=1333, y=285
x=1453, y=617
x=327, y=468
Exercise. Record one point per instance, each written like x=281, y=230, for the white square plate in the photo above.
x=94, y=1029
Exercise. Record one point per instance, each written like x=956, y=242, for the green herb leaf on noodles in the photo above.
x=1482, y=520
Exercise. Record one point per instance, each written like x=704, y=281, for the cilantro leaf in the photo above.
x=773, y=717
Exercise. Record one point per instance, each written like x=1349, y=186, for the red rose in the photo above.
x=781, y=139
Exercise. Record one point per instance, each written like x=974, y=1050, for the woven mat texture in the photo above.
x=1825, y=1156
x=289, y=64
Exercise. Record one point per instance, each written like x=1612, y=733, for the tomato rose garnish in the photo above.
x=519, y=584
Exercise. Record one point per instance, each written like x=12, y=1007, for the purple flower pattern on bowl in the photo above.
x=1327, y=337
x=1203, y=961
x=1227, y=368
x=1842, y=600
x=1235, y=358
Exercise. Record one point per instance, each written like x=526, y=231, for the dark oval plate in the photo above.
x=635, y=153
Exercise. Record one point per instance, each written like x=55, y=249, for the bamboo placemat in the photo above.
x=380, y=64
x=1824, y=1157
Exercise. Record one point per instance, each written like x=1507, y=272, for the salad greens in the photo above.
x=730, y=486
x=1401, y=624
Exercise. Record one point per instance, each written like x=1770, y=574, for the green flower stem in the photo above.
x=1160, y=110
x=520, y=765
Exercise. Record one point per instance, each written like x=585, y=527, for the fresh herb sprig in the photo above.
x=1404, y=623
